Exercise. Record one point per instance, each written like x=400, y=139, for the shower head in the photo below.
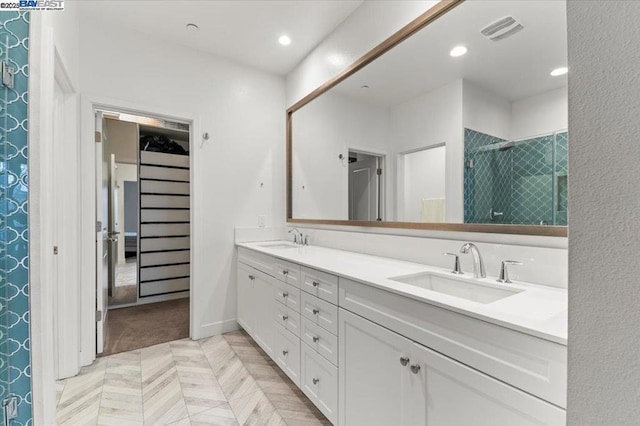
x=507, y=145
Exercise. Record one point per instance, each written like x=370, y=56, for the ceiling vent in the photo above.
x=502, y=28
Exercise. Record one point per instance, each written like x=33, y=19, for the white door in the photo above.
x=245, y=303
x=374, y=378
x=102, y=235
x=364, y=188
x=446, y=392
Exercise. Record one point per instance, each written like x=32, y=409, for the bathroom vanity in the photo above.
x=378, y=341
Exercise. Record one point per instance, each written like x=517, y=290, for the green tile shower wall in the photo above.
x=526, y=183
x=15, y=366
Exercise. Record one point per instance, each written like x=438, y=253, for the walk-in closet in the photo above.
x=148, y=239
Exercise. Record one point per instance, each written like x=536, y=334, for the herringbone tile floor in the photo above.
x=223, y=380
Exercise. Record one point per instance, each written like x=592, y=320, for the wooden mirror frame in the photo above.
x=407, y=31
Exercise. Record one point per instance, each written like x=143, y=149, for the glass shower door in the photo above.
x=4, y=349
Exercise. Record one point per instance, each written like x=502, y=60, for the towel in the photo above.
x=432, y=210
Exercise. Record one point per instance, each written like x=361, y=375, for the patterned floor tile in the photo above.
x=222, y=380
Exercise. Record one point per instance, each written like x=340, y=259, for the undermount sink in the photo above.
x=278, y=245
x=465, y=288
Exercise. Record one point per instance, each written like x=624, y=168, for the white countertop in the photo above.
x=540, y=311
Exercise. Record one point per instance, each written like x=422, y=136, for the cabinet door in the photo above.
x=245, y=297
x=446, y=392
x=374, y=384
x=265, y=326
x=287, y=353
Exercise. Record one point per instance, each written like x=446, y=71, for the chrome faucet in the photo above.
x=478, y=263
x=297, y=237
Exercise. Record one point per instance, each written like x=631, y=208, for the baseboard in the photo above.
x=215, y=328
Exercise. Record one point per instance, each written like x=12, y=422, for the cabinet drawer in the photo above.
x=287, y=354
x=320, y=312
x=325, y=343
x=534, y=365
x=261, y=262
x=287, y=271
x=287, y=294
x=319, y=381
x=320, y=284
x=288, y=318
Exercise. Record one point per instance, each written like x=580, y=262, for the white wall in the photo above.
x=124, y=172
x=322, y=130
x=424, y=178
x=541, y=114
x=237, y=175
x=485, y=112
x=604, y=201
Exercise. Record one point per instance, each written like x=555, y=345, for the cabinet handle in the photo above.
x=415, y=369
x=285, y=353
x=316, y=311
x=316, y=381
x=285, y=272
x=315, y=338
x=251, y=277
x=285, y=295
x=404, y=360
x=285, y=317
x=315, y=283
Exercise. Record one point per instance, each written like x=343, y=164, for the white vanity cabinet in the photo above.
x=388, y=379
x=367, y=356
x=268, y=307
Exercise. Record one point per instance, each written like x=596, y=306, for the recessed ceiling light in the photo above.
x=284, y=40
x=458, y=51
x=192, y=28
x=559, y=71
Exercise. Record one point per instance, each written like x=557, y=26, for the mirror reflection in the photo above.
x=463, y=122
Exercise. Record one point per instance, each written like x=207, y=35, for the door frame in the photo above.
x=386, y=174
x=90, y=104
x=400, y=161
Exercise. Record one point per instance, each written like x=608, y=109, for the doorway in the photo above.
x=365, y=186
x=422, y=185
x=143, y=233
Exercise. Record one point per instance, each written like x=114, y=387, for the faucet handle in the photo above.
x=504, y=272
x=456, y=268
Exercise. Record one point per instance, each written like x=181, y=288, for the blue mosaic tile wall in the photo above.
x=15, y=365
x=526, y=183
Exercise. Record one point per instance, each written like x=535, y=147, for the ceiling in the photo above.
x=243, y=31
x=514, y=68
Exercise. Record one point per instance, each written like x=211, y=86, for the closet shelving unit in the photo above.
x=164, y=222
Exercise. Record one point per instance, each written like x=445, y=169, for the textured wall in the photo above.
x=15, y=363
x=604, y=270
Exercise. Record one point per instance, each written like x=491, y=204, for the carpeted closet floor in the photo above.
x=146, y=325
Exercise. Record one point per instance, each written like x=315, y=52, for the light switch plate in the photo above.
x=261, y=221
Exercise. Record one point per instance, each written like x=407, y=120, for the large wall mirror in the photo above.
x=461, y=125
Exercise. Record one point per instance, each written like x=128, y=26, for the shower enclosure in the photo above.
x=517, y=181
x=15, y=369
